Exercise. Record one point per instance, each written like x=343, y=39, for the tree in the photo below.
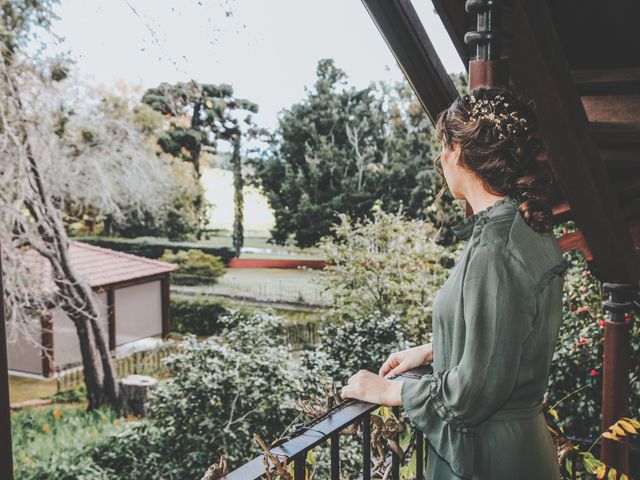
x=49, y=159
x=238, y=201
x=342, y=148
x=199, y=115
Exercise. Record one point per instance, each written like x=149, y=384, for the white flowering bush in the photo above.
x=385, y=265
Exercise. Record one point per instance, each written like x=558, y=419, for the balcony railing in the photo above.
x=326, y=428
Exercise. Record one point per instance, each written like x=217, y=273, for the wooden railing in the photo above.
x=326, y=428
x=300, y=442
x=142, y=362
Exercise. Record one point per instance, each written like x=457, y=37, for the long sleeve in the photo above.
x=499, y=308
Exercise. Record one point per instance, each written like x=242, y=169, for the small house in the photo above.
x=132, y=293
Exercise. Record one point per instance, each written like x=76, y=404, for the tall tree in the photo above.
x=49, y=159
x=238, y=199
x=199, y=115
x=340, y=149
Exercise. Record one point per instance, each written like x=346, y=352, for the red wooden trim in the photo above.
x=46, y=324
x=165, y=285
x=111, y=317
x=275, y=263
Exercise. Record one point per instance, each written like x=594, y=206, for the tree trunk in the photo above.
x=95, y=392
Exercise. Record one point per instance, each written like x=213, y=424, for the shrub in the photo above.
x=152, y=247
x=194, y=266
x=577, y=360
x=388, y=265
x=197, y=315
x=220, y=392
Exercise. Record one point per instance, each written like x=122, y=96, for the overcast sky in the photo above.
x=267, y=49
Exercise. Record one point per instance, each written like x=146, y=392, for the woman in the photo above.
x=496, y=318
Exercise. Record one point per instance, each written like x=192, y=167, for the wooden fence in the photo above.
x=146, y=362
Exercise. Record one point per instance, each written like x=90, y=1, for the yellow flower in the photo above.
x=57, y=414
x=45, y=427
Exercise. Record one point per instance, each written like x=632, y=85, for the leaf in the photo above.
x=632, y=421
x=617, y=429
x=613, y=474
x=554, y=413
x=601, y=471
x=628, y=426
x=611, y=436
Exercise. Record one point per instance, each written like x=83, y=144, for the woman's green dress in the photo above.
x=495, y=326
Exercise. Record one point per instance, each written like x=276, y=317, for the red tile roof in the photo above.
x=100, y=266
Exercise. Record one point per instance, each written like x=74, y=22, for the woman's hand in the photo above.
x=399, y=362
x=369, y=387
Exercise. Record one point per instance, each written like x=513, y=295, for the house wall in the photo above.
x=65, y=339
x=23, y=356
x=138, y=312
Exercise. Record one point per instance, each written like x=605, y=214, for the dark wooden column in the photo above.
x=6, y=457
x=111, y=316
x=487, y=68
x=615, y=381
x=165, y=284
x=46, y=326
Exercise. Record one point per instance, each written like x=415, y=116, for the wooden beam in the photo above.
x=539, y=69
x=111, y=317
x=618, y=81
x=46, y=325
x=400, y=26
x=165, y=285
x=6, y=456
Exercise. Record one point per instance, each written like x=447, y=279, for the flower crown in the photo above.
x=507, y=123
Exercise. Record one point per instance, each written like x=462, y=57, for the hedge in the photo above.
x=198, y=315
x=154, y=247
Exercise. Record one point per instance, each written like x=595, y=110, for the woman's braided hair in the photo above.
x=495, y=128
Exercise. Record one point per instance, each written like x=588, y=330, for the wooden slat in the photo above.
x=623, y=158
x=400, y=26
x=607, y=82
x=539, y=69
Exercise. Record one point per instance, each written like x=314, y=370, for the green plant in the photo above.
x=387, y=264
x=221, y=391
x=49, y=443
x=578, y=357
x=198, y=315
x=194, y=266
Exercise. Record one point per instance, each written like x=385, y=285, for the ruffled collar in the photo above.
x=464, y=228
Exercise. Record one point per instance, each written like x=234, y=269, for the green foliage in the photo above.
x=220, y=392
x=153, y=247
x=199, y=116
x=196, y=315
x=238, y=199
x=49, y=443
x=340, y=149
x=384, y=265
x=577, y=360
x=194, y=266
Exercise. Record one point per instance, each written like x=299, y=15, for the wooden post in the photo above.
x=6, y=455
x=615, y=380
x=165, y=285
x=111, y=317
x=487, y=68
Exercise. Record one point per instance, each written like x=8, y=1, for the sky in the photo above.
x=267, y=49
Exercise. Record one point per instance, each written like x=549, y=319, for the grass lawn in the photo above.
x=21, y=389
x=274, y=284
